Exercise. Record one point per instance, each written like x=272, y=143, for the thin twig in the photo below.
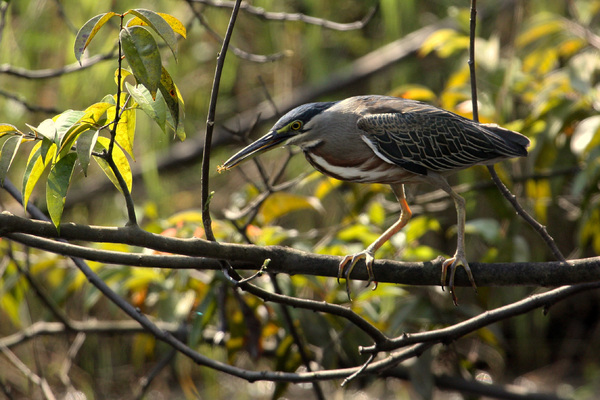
x=53, y=73
x=539, y=228
x=210, y=124
x=451, y=333
x=258, y=58
x=281, y=16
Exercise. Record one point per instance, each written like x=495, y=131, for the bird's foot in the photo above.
x=452, y=264
x=350, y=261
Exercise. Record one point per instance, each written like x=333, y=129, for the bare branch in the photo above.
x=280, y=16
x=52, y=73
x=236, y=50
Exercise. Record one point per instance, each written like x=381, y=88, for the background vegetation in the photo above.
x=538, y=66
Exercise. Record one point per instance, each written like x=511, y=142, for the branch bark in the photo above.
x=199, y=253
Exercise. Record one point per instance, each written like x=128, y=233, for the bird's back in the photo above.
x=420, y=137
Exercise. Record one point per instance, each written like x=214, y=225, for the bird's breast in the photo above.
x=369, y=169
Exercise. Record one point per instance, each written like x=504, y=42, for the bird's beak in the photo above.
x=268, y=141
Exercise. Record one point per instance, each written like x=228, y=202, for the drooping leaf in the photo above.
x=120, y=160
x=155, y=109
x=175, y=24
x=7, y=155
x=172, y=98
x=85, y=145
x=88, y=31
x=143, y=56
x=57, y=186
x=125, y=131
x=158, y=23
x=124, y=74
x=38, y=159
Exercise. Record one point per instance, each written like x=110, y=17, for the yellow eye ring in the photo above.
x=296, y=125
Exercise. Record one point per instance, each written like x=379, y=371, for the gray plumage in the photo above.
x=382, y=139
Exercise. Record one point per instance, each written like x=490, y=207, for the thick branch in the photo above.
x=283, y=259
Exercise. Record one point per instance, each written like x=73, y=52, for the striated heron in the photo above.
x=381, y=139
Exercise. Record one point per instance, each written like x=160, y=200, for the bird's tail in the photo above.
x=515, y=141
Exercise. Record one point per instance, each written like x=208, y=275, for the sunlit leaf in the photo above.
x=158, y=23
x=7, y=154
x=57, y=186
x=544, y=26
x=444, y=42
x=142, y=277
x=376, y=213
x=39, y=158
x=281, y=203
x=46, y=129
x=93, y=114
x=414, y=92
x=85, y=145
x=325, y=186
x=124, y=74
x=175, y=24
x=88, y=31
x=125, y=131
x=7, y=129
x=586, y=135
x=120, y=160
x=419, y=226
x=141, y=52
x=64, y=121
x=171, y=95
x=71, y=136
x=155, y=109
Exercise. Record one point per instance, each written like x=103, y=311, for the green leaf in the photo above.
x=120, y=160
x=155, y=109
x=88, y=31
x=65, y=121
x=158, y=23
x=71, y=137
x=141, y=52
x=171, y=95
x=57, y=186
x=7, y=155
x=46, y=128
x=85, y=145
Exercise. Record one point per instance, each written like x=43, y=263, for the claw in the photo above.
x=367, y=255
x=452, y=264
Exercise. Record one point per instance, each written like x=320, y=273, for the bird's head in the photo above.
x=293, y=128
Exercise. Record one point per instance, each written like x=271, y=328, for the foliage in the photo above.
x=75, y=135
x=537, y=75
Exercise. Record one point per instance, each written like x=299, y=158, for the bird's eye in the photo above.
x=296, y=125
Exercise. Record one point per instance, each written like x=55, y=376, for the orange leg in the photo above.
x=369, y=253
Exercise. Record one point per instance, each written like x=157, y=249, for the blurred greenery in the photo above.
x=538, y=66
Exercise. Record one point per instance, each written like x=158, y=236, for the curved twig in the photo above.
x=281, y=16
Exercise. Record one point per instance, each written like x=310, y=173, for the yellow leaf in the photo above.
x=280, y=204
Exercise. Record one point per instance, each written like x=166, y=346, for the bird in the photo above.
x=395, y=141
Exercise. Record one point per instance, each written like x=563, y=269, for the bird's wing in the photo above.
x=429, y=138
